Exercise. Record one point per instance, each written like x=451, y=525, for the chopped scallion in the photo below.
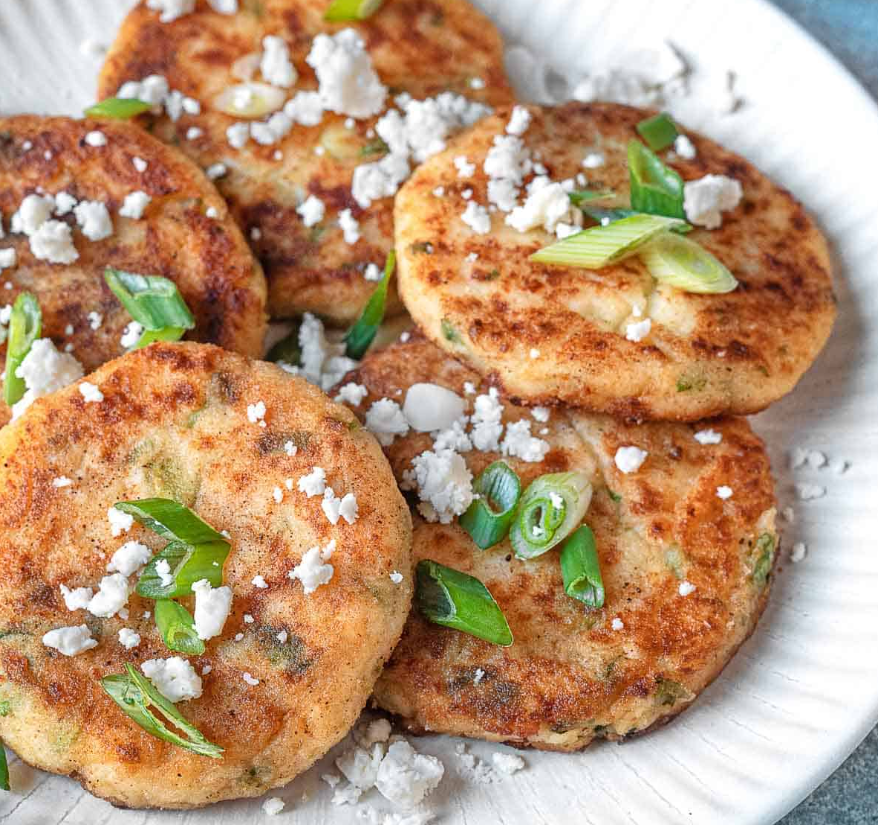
x=341, y=10
x=457, y=600
x=287, y=349
x=120, y=108
x=551, y=508
x=4, y=769
x=685, y=264
x=170, y=520
x=603, y=245
x=488, y=518
x=580, y=568
x=25, y=326
x=658, y=131
x=655, y=188
x=585, y=195
x=177, y=627
x=361, y=334
x=142, y=703
x=607, y=216
x=186, y=564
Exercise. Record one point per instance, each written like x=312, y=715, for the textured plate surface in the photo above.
x=804, y=691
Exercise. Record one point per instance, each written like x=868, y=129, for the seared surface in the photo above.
x=569, y=677
x=422, y=47
x=706, y=354
x=174, y=423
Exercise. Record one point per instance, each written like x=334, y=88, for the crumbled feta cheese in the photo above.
x=348, y=508
x=630, y=459
x=134, y=205
x=508, y=763
x=128, y=638
x=77, y=599
x=396, y=577
x=566, y=230
x=256, y=412
x=111, y=597
x=259, y=581
x=430, y=407
x=139, y=164
x=53, y=242
x=171, y=9
x=68, y=330
x=174, y=678
x=34, y=211
x=708, y=437
x=278, y=495
x=212, y=607
x=546, y=205
x=360, y=765
x=119, y=521
x=684, y=147
x=129, y=558
x=519, y=443
x=131, y=334
x=686, y=587
x=508, y=158
x=237, y=135
x=808, y=492
x=163, y=571
x=373, y=272
x=638, y=330
x=62, y=481
x=70, y=640
x=323, y=363
x=44, y=370
x=349, y=226
x=385, y=420
x=704, y=199
x=380, y=179
x=593, y=160
x=96, y=139
x=95, y=319
x=443, y=482
x=799, y=552
x=486, y=421
x=313, y=484
x=64, y=203
x=305, y=108
x=312, y=211
x=216, y=170
x=275, y=65
x=541, y=414
x=250, y=680
x=405, y=776
x=352, y=393
x=617, y=624
x=465, y=169
x=8, y=258
x=90, y=393
x=312, y=571
x=94, y=220
x=273, y=806
x=348, y=82
x=723, y=492
x=476, y=217
x=453, y=438
x=282, y=637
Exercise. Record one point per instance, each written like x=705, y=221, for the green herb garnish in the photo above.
x=25, y=326
x=488, y=518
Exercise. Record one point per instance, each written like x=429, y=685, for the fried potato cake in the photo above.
x=206, y=257
x=174, y=423
x=686, y=574
x=548, y=334
x=421, y=47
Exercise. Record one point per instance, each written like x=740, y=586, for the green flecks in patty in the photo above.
x=669, y=692
x=421, y=248
x=63, y=740
x=449, y=333
x=675, y=560
x=764, y=555
x=273, y=442
x=290, y=655
x=5, y=707
x=256, y=776
x=613, y=495
x=375, y=147
x=691, y=383
x=170, y=478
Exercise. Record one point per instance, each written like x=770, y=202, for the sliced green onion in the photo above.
x=602, y=245
x=453, y=599
x=361, y=334
x=170, y=520
x=137, y=698
x=187, y=564
x=551, y=508
x=151, y=300
x=685, y=264
x=287, y=349
x=25, y=326
x=658, y=131
x=580, y=568
x=607, y=216
x=177, y=627
x=120, y=108
x=584, y=195
x=497, y=485
x=4, y=769
x=340, y=10
x=655, y=188
x=167, y=334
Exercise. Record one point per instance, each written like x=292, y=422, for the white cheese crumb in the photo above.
x=34, y=211
x=348, y=508
x=405, y=776
x=259, y=581
x=128, y=638
x=724, y=492
x=443, y=482
x=593, y=160
x=129, y=558
x=439, y=191
x=352, y=393
x=163, y=571
x=64, y=203
x=212, y=607
x=546, y=205
x=312, y=210
x=94, y=220
x=95, y=319
x=256, y=412
x=90, y=393
x=704, y=199
x=282, y=637
x=70, y=640
x=431, y=407
x=53, y=242
x=171, y=9
x=314, y=483
x=312, y=571
x=396, y=577
x=134, y=205
x=8, y=258
x=278, y=495
x=385, y=420
x=541, y=414
x=630, y=459
x=205, y=670
x=465, y=169
x=638, y=330
x=96, y=139
x=349, y=226
x=684, y=147
x=273, y=806
x=519, y=443
x=216, y=171
x=131, y=334
x=808, y=492
x=708, y=437
x=486, y=421
x=44, y=370
x=290, y=448
x=174, y=678
x=139, y=164
x=76, y=599
x=119, y=521
x=111, y=597
x=617, y=624
x=250, y=680
x=519, y=121
x=62, y=481
x=686, y=587
x=508, y=763
x=275, y=65
x=373, y=272
x=799, y=552
x=239, y=637
x=476, y=217
x=305, y=108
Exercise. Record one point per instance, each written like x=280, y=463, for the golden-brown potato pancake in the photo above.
x=174, y=423
x=571, y=675
x=206, y=257
x=548, y=334
x=422, y=47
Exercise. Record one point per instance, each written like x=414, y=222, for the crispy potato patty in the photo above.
x=174, y=423
x=548, y=334
x=206, y=257
x=574, y=674
x=422, y=47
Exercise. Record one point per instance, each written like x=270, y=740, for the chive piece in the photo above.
x=457, y=600
x=177, y=627
x=584, y=195
x=551, y=508
x=580, y=568
x=170, y=520
x=119, y=108
x=149, y=336
x=497, y=486
x=287, y=349
x=608, y=216
x=658, y=131
x=360, y=335
x=341, y=10
x=685, y=264
x=153, y=301
x=187, y=564
x=137, y=698
x=25, y=326
x=4, y=769
x=600, y=246
x=655, y=188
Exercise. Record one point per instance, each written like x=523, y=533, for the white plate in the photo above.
x=803, y=691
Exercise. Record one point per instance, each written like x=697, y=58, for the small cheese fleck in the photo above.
x=96, y=139
x=94, y=220
x=352, y=393
x=443, y=482
x=171, y=9
x=273, y=806
x=111, y=597
x=508, y=763
x=706, y=198
x=128, y=638
x=131, y=334
x=617, y=624
x=314, y=483
x=312, y=570
x=638, y=330
x=76, y=599
x=349, y=226
x=476, y=217
x=62, y=481
x=396, y=577
x=630, y=459
x=95, y=319
x=256, y=413
x=129, y=558
x=799, y=552
x=724, y=492
x=134, y=205
x=259, y=581
x=174, y=678
x=90, y=393
x=312, y=210
x=708, y=437
x=70, y=640
x=593, y=160
x=53, y=242
x=686, y=587
x=216, y=171
x=385, y=420
x=277, y=494
x=250, y=680
x=212, y=607
x=465, y=169
x=519, y=121
x=163, y=571
x=684, y=147
x=139, y=164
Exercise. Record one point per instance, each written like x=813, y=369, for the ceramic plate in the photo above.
x=803, y=692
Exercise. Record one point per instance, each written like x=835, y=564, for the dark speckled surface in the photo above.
x=849, y=29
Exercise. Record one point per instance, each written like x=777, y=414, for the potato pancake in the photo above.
x=610, y=340
x=418, y=47
x=183, y=232
x=291, y=669
x=686, y=573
